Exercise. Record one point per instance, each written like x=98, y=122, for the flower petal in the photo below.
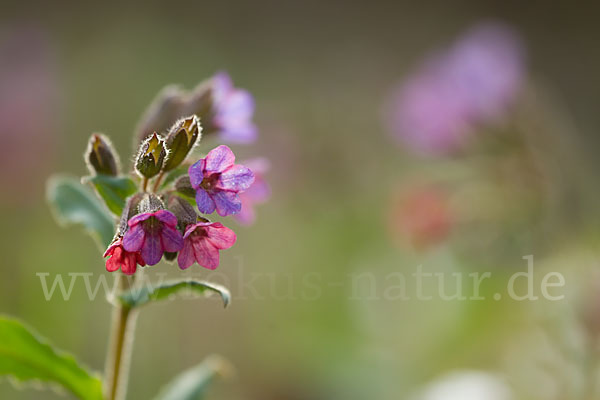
x=186, y=255
x=114, y=262
x=196, y=173
x=138, y=218
x=227, y=203
x=238, y=107
x=171, y=239
x=236, y=179
x=206, y=254
x=129, y=266
x=238, y=133
x=152, y=250
x=166, y=217
x=220, y=236
x=219, y=159
x=204, y=202
x=134, y=238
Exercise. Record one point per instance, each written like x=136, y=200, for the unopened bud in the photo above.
x=184, y=186
x=165, y=109
x=100, y=156
x=151, y=156
x=129, y=211
x=150, y=203
x=181, y=139
x=185, y=213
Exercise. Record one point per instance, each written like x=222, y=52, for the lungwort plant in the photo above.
x=159, y=208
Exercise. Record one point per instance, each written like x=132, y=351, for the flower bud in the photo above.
x=184, y=186
x=150, y=203
x=130, y=210
x=160, y=115
x=151, y=156
x=185, y=213
x=181, y=139
x=100, y=156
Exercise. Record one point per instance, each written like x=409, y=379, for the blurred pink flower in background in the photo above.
x=258, y=193
x=455, y=91
x=29, y=106
x=421, y=215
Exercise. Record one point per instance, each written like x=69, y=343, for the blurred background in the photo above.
x=352, y=196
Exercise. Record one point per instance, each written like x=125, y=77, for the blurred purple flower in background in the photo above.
x=258, y=192
x=233, y=109
x=29, y=106
x=470, y=84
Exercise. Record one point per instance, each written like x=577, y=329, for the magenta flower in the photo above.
x=152, y=234
x=217, y=182
x=119, y=258
x=258, y=192
x=202, y=242
x=233, y=109
x=471, y=84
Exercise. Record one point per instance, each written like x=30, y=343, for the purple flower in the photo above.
x=152, y=234
x=233, y=109
x=217, y=182
x=202, y=243
x=471, y=84
x=258, y=192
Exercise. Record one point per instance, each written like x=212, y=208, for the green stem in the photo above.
x=116, y=371
x=158, y=180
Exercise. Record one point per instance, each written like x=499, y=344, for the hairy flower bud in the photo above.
x=100, y=156
x=181, y=139
x=184, y=186
x=150, y=203
x=129, y=211
x=164, y=110
x=185, y=213
x=151, y=156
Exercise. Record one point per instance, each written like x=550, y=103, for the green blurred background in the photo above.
x=320, y=72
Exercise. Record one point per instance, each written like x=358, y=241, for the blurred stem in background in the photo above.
x=119, y=350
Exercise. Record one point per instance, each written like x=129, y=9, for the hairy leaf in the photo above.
x=27, y=357
x=139, y=296
x=114, y=190
x=74, y=203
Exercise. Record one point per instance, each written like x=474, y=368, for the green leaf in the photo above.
x=74, y=203
x=27, y=357
x=192, y=383
x=114, y=190
x=139, y=296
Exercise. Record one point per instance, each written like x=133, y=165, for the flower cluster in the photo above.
x=167, y=216
x=457, y=90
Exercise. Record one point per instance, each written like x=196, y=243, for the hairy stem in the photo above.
x=119, y=351
x=144, y=184
x=157, y=182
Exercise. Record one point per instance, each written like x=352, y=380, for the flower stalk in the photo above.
x=119, y=350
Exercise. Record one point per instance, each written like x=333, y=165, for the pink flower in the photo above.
x=202, y=242
x=121, y=258
x=217, y=182
x=258, y=192
x=436, y=110
x=233, y=109
x=152, y=234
